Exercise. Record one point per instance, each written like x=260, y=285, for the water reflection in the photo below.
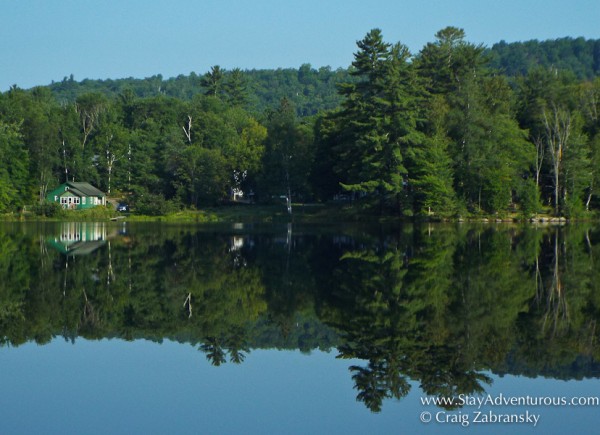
x=440, y=305
x=80, y=238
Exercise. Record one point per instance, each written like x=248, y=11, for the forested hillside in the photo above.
x=440, y=133
x=312, y=90
x=579, y=56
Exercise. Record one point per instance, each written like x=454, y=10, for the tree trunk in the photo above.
x=65, y=161
x=557, y=133
x=591, y=192
x=539, y=159
x=188, y=131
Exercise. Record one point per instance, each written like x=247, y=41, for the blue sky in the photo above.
x=45, y=40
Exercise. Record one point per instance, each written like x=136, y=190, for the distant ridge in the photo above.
x=580, y=56
x=312, y=90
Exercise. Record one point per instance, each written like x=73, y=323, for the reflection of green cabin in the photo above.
x=77, y=195
x=79, y=238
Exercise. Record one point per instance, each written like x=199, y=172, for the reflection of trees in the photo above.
x=288, y=278
x=223, y=295
x=368, y=308
x=234, y=343
x=214, y=351
x=558, y=336
x=557, y=310
x=237, y=344
x=438, y=305
x=132, y=290
x=429, y=306
x=14, y=283
x=378, y=381
x=89, y=317
x=290, y=264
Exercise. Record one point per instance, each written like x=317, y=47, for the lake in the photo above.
x=286, y=328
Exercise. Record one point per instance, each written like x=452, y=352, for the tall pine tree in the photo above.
x=377, y=122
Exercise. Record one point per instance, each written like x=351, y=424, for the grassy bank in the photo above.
x=228, y=213
x=247, y=214
x=305, y=213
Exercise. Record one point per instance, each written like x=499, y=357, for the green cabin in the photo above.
x=77, y=195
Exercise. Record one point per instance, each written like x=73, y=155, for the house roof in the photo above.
x=84, y=189
x=78, y=248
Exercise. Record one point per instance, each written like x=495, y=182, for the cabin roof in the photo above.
x=82, y=188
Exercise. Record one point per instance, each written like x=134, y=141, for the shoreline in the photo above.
x=302, y=213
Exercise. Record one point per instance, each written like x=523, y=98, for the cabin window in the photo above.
x=83, y=200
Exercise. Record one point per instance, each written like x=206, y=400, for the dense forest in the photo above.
x=312, y=90
x=579, y=56
x=453, y=130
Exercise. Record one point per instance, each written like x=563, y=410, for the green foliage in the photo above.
x=445, y=63
x=236, y=88
x=529, y=198
x=14, y=160
x=553, y=116
x=431, y=172
x=311, y=90
x=578, y=55
x=150, y=204
x=288, y=156
x=449, y=131
x=377, y=122
x=98, y=213
x=48, y=209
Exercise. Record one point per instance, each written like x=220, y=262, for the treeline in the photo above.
x=577, y=55
x=445, y=134
x=313, y=90
x=437, y=133
x=310, y=90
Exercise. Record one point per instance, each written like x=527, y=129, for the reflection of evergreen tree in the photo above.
x=377, y=382
x=441, y=361
x=214, y=351
x=372, y=318
x=430, y=306
x=237, y=345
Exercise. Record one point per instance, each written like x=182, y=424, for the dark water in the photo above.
x=122, y=328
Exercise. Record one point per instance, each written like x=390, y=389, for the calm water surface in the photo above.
x=148, y=328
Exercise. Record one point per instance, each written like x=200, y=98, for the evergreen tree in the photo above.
x=380, y=121
x=213, y=81
x=236, y=88
x=448, y=61
x=431, y=176
x=490, y=154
